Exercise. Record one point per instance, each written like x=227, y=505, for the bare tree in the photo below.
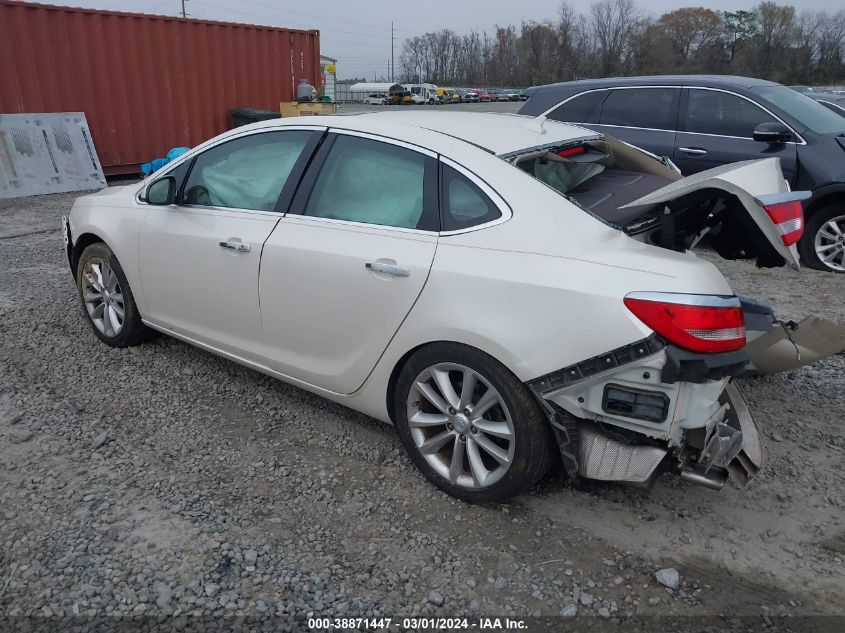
x=831, y=42
x=613, y=23
x=615, y=37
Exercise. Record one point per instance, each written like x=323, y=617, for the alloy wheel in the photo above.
x=829, y=243
x=103, y=297
x=461, y=425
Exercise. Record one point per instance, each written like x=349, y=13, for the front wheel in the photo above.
x=823, y=244
x=106, y=298
x=470, y=426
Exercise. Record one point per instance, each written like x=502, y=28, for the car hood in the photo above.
x=752, y=182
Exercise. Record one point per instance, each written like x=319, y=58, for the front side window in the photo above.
x=245, y=173
x=463, y=204
x=580, y=109
x=724, y=114
x=807, y=112
x=369, y=181
x=640, y=107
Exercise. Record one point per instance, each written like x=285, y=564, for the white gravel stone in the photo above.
x=668, y=577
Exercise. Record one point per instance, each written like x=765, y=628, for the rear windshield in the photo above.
x=810, y=114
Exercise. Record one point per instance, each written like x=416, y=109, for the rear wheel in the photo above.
x=470, y=426
x=823, y=244
x=106, y=298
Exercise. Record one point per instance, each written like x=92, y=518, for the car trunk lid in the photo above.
x=755, y=183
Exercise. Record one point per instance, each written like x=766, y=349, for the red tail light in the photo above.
x=789, y=218
x=701, y=323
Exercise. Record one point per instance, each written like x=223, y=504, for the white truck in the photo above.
x=423, y=93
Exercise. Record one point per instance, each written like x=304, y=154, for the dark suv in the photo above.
x=701, y=121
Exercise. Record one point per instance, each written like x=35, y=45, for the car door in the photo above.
x=199, y=259
x=642, y=116
x=716, y=127
x=342, y=270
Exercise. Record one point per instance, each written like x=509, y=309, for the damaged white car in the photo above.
x=511, y=293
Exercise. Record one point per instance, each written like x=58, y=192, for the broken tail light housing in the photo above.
x=789, y=218
x=700, y=323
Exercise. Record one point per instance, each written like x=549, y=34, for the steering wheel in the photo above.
x=197, y=194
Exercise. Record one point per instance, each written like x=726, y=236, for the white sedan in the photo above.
x=513, y=294
x=376, y=99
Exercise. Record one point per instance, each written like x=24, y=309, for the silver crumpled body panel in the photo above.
x=787, y=347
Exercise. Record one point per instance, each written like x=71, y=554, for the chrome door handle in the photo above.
x=236, y=246
x=388, y=269
x=695, y=151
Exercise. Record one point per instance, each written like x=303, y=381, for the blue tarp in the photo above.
x=157, y=163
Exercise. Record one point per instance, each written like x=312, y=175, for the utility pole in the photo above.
x=388, y=71
x=392, y=40
x=183, y=8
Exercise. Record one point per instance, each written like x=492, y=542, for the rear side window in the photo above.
x=245, y=173
x=581, y=109
x=463, y=204
x=724, y=114
x=641, y=107
x=372, y=182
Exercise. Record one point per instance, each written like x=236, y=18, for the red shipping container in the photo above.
x=146, y=83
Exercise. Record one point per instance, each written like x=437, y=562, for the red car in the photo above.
x=482, y=95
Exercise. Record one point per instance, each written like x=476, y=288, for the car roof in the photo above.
x=827, y=96
x=497, y=133
x=714, y=81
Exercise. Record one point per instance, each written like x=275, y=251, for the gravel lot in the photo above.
x=163, y=481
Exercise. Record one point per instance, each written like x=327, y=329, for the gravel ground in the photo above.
x=163, y=481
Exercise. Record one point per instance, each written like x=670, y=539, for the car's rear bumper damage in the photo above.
x=651, y=407
x=775, y=346
x=654, y=408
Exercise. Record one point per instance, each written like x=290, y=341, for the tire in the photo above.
x=97, y=270
x=819, y=229
x=515, y=427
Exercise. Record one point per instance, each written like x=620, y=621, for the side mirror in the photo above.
x=772, y=132
x=162, y=191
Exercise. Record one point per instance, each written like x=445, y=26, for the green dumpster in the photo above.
x=245, y=116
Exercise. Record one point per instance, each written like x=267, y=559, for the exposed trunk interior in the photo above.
x=604, y=175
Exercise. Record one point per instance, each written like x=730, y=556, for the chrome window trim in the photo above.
x=384, y=139
x=711, y=301
x=203, y=147
x=498, y=200
x=633, y=127
x=207, y=207
x=839, y=108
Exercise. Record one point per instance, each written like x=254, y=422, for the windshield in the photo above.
x=811, y=115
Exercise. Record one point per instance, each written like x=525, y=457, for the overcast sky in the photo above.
x=357, y=32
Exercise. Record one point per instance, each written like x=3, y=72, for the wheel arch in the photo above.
x=82, y=242
x=824, y=196
x=393, y=379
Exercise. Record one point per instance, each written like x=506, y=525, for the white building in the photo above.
x=360, y=91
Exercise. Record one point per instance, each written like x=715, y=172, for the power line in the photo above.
x=320, y=17
x=266, y=18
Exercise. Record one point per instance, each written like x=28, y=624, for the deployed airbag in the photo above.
x=251, y=178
